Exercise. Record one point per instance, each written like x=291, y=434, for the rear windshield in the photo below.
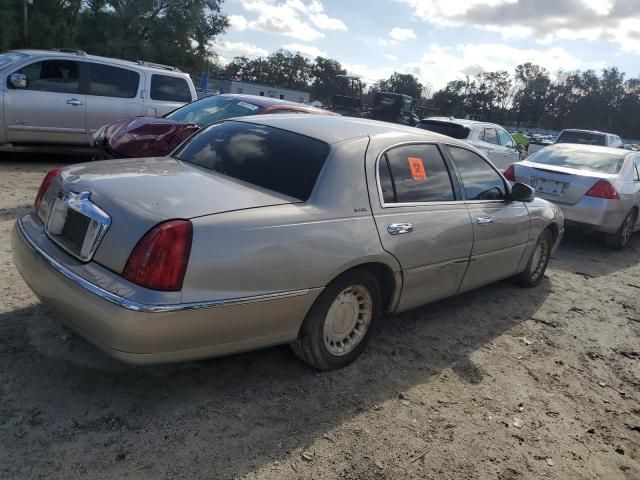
x=213, y=109
x=268, y=157
x=583, y=138
x=580, y=160
x=449, y=129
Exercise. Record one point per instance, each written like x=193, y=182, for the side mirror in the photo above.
x=18, y=80
x=522, y=193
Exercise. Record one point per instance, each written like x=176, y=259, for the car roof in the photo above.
x=460, y=121
x=586, y=131
x=578, y=147
x=333, y=129
x=267, y=101
x=116, y=61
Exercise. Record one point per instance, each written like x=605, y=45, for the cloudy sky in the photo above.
x=440, y=40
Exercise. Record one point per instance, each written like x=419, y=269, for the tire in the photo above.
x=352, y=301
x=537, y=265
x=620, y=239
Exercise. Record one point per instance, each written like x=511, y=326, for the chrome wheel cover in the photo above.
x=347, y=320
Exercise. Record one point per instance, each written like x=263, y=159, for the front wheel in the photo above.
x=533, y=274
x=340, y=323
x=621, y=238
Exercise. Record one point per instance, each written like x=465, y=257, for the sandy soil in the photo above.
x=500, y=383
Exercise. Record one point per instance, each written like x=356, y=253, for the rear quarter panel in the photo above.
x=289, y=247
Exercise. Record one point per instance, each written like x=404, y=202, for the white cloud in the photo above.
x=545, y=20
x=306, y=50
x=291, y=18
x=402, y=34
x=238, y=49
x=441, y=64
x=390, y=57
x=368, y=74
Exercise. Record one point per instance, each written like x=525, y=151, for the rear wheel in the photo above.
x=534, y=273
x=621, y=238
x=340, y=323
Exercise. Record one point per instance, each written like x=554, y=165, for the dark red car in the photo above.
x=155, y=137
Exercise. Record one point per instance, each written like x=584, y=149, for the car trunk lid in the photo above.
x=558, y=184
x=140, y=193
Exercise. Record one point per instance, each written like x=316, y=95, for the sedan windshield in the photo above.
x=583, y=138
x=271, y=158
x=213, y=109
x=591, y=161
x=10, y=57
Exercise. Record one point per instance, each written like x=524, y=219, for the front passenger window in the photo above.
x=479, y=180
x=59, y=76
x=505, y=139
x=491, y=136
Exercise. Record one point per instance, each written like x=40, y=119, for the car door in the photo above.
x=112, y=94
x=501, y=228
x=421, y=221
x=51, y=109
x=510, y=153
x=636, y=184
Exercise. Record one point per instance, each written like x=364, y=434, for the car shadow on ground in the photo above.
x=587, y=254
x=234, y=414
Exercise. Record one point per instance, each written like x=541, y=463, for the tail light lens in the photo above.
x=49, y=177
x=510, y=173
x=603, y=189
x=159, y=260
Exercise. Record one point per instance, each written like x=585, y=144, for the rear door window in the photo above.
x=490, y=135
x=414, y=173
x=169, y=89
x=108, y=81
x=59, y=76
x=270, y=158
x=479, y=180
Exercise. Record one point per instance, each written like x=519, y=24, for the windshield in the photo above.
x=10, y=57
x=583, y=138
x=452, y=130
x=271, y=158
x=580, y=160
x=212, y=109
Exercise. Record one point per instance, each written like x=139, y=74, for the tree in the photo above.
x=324, y=71
x=405, y=84
x=532, y=85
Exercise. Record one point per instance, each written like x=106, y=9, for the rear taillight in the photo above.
x=49, y=177
x=159, y=260
x=510, y=173
x=603, y=189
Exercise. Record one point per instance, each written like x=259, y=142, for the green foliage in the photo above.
x=174, y=32
x=405, y=84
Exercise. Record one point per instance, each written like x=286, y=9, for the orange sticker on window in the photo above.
x=417, y=168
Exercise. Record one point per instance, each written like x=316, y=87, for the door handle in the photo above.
x=400, y=228
x=74, y=101
x=484, y=220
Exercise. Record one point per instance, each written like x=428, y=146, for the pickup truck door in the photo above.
x=501, y=228
x=421, y=220
x=51, y=109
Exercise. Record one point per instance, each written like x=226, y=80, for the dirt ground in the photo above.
x=500, y=383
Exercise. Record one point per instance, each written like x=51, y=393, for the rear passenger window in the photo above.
x=60, y=76
x=490, y=135
x=479, y=180
x=414, y=173
x=169, y=89
x=108, y=81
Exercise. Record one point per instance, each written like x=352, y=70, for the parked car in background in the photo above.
x=58, y=99
x=393, y=108
x=589, y=137
x=273, y=229
x=151, y=136
x=597, y=187
x=491, y=139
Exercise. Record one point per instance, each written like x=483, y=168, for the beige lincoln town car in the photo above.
x=276, y=229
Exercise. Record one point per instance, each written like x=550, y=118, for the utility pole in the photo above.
x=25, y=19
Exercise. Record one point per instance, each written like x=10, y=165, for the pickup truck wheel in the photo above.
x=534, y=273
x=340, y=323
x=621, y=238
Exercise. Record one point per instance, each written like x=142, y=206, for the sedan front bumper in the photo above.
x=147, y=333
